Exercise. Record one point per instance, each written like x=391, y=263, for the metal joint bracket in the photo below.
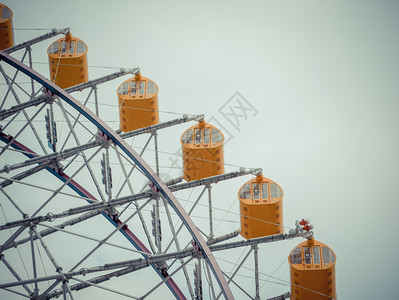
x=162, y=265
x=48, y=95
x=103, y=140
x=303, y=229
x=256, y=172
x=199, y=118
x=57, y=166
x=154, y=188
x=84, y=271
x=195, y=246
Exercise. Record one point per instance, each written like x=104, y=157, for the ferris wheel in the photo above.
x=87, y=209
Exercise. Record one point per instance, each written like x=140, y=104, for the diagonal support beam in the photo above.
x=5, y=113
x=281, y=297
x=36, y=40
x=103, y=79
x=2, y=258
x=183, y=119
x=98, y=207
x=50, y=157
x=214, y=179
x=53, y=229
x=74, y=150
x=24, y=174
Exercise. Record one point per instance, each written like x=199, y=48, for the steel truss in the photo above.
x=79, y=169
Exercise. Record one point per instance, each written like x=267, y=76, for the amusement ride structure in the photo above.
x=66, y=176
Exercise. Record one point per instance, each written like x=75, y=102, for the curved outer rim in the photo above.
x=151, y=175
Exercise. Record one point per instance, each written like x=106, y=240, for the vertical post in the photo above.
x=36, y=290
x=156, y=225
x=209, y=187
x=109, y=177
x=172, y=227
x=106, y=173
x=50, y=256
x=64, y=290
x=159, y=235
x=198, y=280
x=155, y=134
x=96, y=100
x=255, y=248
x=51, y=129
x=30, y=65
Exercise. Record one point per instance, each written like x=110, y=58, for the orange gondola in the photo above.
x=312, y=265
x=261, y=208
x=68, y=61
x=6, y=30
x=202, y=146
x=138, y=103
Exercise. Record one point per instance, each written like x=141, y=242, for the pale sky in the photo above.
x=320, y=79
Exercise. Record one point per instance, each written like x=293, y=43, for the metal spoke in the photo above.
x=93, y=239
x=172, y=227
x=12, y=201
x=166, y=279
x=80, y=123
x=236, y=270
x=10, y=84
x=50, y=288
x=82, y=153
x=3, y=259
x=108, y=236
x=75, y=122
x=64, y=184
x=25, y=114
x=13, y=237
x=19, y=86
x=33, y=259
x=237, y=285
x=43, y=188
x=105, y=288
x=134, y=167
x=189, y=213
x=10, y=121
x=47, y=250
x=142, y=219
x=23, y=127
x=17, y=293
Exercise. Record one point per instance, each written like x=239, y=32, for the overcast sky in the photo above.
x=320, y=83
